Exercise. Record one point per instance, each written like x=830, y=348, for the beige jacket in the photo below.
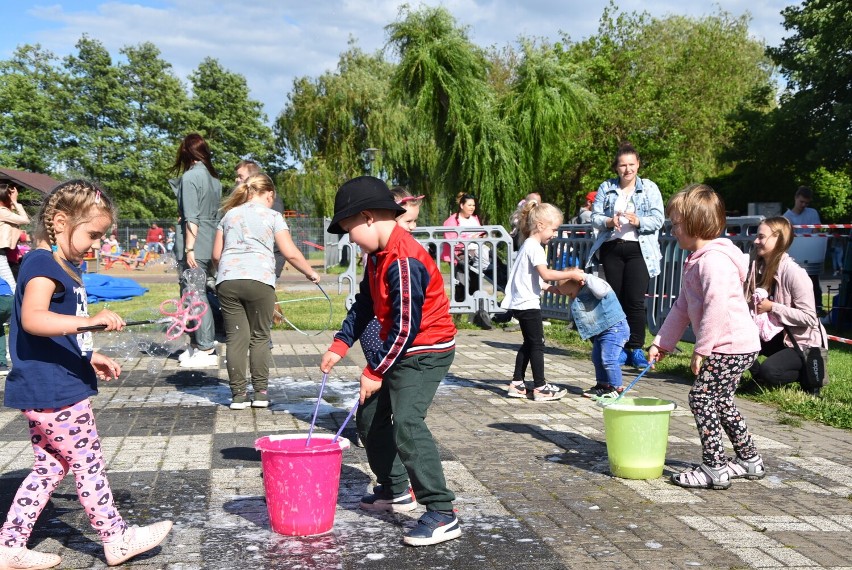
x=794, y=305
x=10, y=222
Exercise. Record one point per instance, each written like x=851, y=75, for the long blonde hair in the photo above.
x=76, y=199
x=767, y=267
x=254, y=185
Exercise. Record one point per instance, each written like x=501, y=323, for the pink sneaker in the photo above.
x=21, y=558
x=135, y=541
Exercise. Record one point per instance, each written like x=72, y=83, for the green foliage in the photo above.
x=233, y=124
x=668, y=86
x=441, y=77
x=545, y=106
x=158, y=108
x=815, y=60
x=833, y=195
x=330, y=122
x=30, y=112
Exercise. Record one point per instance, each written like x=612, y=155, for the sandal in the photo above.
x=703, y=477
x=747, y=468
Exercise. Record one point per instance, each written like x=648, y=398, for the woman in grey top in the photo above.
x=198, y=193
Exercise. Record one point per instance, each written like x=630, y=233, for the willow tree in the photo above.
x=329, y=123
x=546, y=106
x=442, y=77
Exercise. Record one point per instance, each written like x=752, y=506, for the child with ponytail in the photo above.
x=538, y=223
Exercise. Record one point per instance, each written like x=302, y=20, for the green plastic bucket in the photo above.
x=637, y=434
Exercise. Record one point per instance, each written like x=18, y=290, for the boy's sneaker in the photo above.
x=186, y=354
x=517, y=389
x=548, y=393
x=135, y=541
x=201, y=359
x=383, y=500
x=594, y=391
x=22, y=557
x=239, y=403
x=637, y=358
x=260, y=400
x=433, y=527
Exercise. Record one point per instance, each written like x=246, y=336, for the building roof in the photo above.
x=32, y=180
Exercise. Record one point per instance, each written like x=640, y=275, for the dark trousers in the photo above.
x=782, y=365
x=532, y=350
x=392, y=425
x=247, y=307
x=627, y=274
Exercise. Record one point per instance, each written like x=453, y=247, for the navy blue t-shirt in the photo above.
x=49, y=372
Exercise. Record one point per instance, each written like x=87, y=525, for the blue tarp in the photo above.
x=106, y=288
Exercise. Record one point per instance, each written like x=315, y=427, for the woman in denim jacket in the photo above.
x=628, y=215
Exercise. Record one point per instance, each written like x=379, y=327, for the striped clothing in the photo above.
x=404, y=290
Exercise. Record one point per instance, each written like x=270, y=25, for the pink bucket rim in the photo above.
x=342, y=443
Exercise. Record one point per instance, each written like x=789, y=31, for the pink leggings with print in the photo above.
x=63, y=438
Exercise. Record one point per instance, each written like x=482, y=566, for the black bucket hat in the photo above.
x=359, y=194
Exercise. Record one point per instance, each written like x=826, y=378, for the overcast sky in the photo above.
x=271, y=42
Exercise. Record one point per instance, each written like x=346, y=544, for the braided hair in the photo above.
x=76, y=199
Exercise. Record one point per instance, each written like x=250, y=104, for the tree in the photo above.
x=157, y=116
x=31, y=116
x=668, y=86
x=442, y=78
x=232, y=123
x=545, y=106
x=98, y=115
x=816, y=62
x=329, y=123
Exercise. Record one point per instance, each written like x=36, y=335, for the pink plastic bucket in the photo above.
x=301, y=483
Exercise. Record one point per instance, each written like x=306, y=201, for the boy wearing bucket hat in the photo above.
x=404, y=290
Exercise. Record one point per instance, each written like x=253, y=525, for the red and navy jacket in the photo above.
x=404, y=289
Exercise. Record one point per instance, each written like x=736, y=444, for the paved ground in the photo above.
x=532, y=479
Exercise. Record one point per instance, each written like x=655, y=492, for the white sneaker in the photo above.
x=201, y=359
x=186, y=354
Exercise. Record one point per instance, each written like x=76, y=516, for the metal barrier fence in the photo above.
x=569, y=248
x=476, y=268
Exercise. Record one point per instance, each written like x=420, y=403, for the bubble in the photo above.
x=155, y=366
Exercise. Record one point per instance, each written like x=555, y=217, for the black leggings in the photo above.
x=782, y=365
x=626, y=272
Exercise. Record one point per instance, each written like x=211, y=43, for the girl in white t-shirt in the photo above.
x=538, y=223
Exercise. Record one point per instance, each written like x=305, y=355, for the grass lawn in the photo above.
x=833, y=407
x=309, y=313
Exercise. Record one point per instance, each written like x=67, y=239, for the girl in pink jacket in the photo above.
x=726, y=339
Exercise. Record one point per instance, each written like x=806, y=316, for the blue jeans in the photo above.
x=606, y=348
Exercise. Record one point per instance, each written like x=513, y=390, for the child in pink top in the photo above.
x=726, y=339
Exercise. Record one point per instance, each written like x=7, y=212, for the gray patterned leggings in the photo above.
x=711, y=400
x=63, y=438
